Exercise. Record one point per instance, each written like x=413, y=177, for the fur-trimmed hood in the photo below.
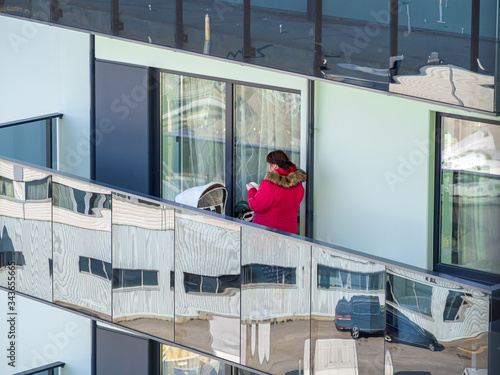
x=286, y=181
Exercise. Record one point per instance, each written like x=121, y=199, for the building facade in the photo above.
x=391, y=108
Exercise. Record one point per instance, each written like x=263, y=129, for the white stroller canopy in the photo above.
x=210, y=197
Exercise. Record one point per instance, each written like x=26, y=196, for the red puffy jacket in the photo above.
x=276, y=203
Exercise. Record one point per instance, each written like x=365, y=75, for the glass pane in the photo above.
x=347, y=324
x=26, y=142
x=446, y=54
x=177, y=361
x=453, y=340
x=265, y=120
x=282, y=31
x=94, y=16
x=275, y=302
x=470, y=195
x=194, y=122
x=356, y=42
x=143, y=259
x=207, y=249
x=82, y=229
x=25, y=231
x=152, y=22
x=220, y=34
x=39, y=10
x=150, y=278
x=132, y=278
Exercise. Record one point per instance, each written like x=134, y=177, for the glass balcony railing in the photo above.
x=439, y=50
x=30, y=140
x=273, y=302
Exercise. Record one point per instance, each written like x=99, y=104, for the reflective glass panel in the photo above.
x=275, y=302
x=176, y=361
x=348, y=313
x=25, y=230
x=207, y=306
x=148, y=21
x=446, y=51
x=82, y=246
x=265, y=120
x=356, y=42
x=470, y=194
x=95, y=15
x=26, y=142
x=143, y=258
x=193, y=125
x=17, y=7
x=282, y=30
x=435, y=326
x=212, y=28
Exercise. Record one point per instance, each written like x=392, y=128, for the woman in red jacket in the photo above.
x=276, y=201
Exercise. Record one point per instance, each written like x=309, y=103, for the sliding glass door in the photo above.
x=470, y=194
x=204, y=118
x=193, y=119
x=264, y=120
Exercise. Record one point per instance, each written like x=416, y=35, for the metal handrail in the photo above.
x=50, y=368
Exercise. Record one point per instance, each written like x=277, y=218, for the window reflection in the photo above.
x=80, y=201
x=470, y=194
x=177, y=361
x=6, y=187
x=409, y=294
x=211, y=284
x=193, y=129
x=265, y=120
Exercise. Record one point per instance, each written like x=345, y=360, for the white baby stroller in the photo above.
x=210, y=197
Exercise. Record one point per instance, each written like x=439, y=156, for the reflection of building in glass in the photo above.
x=436, y=307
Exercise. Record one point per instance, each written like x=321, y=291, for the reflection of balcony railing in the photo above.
x=162, y=268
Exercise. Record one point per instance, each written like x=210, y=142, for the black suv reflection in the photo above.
x=360, y=314
x=399, y=327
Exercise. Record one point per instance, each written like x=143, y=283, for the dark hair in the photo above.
x=279, y=158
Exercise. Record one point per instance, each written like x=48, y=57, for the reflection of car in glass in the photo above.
x=362, y=314
x=399, y=327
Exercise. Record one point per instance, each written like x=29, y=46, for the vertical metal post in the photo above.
x=155, y=134
x=54, y=11
x=93, y=350
x=116, y=25
x=92, y=140
x=48, y=143
x=474, y=36
x=497, y=61
x=318, y=38
x=393, y=28
x=229, y=149
x=154, y=357
x=248, y=51
x=179, y=24
x=310, y=161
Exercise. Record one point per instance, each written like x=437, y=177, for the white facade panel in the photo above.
x=43, y=335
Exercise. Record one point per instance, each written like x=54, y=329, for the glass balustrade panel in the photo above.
x=151, y=21
x=435, y=326
x=348, y=313
x=93, y=15
x=25, y=230
x=82, y=246
x=446, y=52
x=275, y=302
x=143, y=264
x=207, y=284
x=355, y=42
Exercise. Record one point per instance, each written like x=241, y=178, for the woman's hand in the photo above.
x=252, y=185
